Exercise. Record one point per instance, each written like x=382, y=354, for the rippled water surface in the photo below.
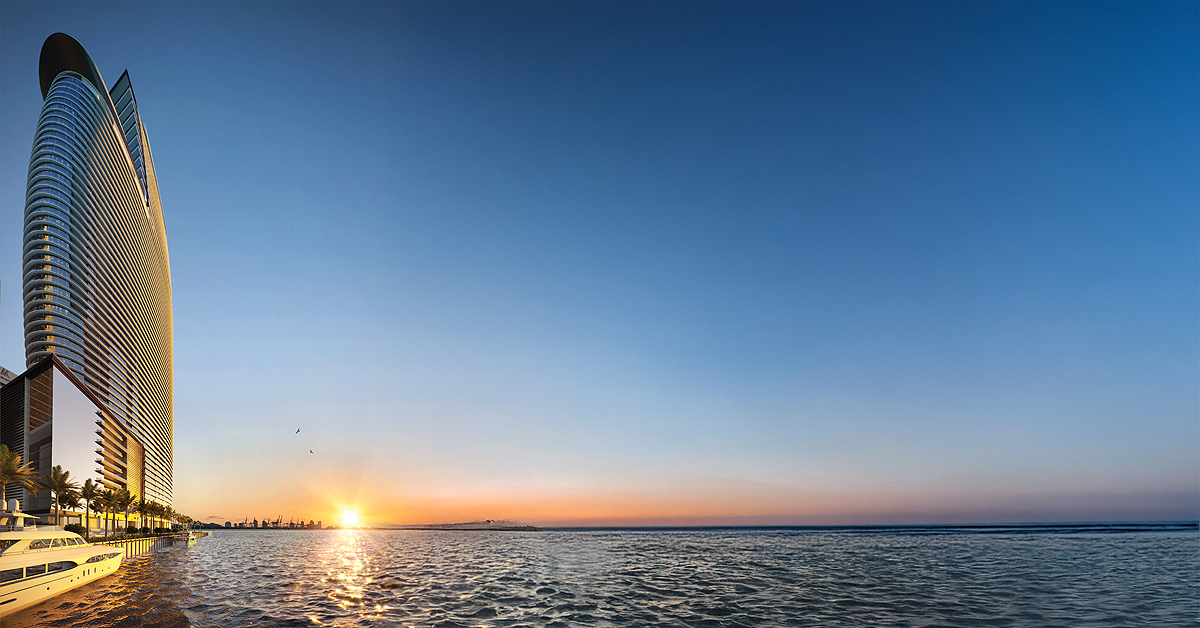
x=648, y=578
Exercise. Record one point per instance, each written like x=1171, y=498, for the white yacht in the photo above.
x=37, y=563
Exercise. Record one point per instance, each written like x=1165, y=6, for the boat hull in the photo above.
x=21, y=594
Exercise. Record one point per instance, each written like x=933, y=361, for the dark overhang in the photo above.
x=60, y=53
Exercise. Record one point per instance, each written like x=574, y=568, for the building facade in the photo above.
x=50, y=417
x=96, y=274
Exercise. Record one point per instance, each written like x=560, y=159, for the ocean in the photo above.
x=1057, y=575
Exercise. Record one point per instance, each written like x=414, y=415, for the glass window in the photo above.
x=6, y=544
x=52, y=567
x=37, y=544
x=58, y=542
x=35, y=570
x=9, y=575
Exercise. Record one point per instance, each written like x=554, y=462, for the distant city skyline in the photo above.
x=663, y=263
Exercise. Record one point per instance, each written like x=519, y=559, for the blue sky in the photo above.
x=664, y=262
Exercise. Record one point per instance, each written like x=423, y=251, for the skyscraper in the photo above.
x=97, y=280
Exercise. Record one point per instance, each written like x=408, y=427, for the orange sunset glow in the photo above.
x=360, y=502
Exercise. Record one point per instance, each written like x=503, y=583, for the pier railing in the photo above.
x=133, y=547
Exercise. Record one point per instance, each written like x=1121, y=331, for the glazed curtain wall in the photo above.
x=97, y=288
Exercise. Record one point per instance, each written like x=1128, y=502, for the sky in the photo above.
x=663, y=263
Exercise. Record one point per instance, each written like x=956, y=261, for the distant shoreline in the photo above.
x=488, y=525
x=946, y=528
x=979, y=528
x=455, y=527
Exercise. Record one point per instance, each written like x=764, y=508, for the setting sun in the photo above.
x=349, y=517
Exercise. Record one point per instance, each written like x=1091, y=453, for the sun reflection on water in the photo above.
x=347, y=571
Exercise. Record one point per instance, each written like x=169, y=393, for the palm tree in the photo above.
x=100, y=506
x=157, y=511
x=142, y=508
x=89, y=494
x=124, y=501
x=70, y=501
x=11, y=470
x=114, y=508
x=58, y=482
x=108, y=501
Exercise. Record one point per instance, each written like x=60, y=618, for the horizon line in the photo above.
x=1010, y=524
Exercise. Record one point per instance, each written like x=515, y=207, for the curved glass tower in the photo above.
x=97, y=281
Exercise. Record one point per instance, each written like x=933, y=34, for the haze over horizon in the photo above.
x=663, y=263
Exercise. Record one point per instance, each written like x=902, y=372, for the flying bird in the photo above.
x=297, y=430
x=310, y=451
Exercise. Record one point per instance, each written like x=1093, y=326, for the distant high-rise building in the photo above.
x=97, y=280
